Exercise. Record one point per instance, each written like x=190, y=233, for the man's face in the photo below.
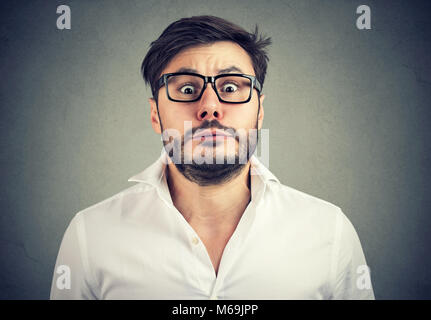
x=209, y=113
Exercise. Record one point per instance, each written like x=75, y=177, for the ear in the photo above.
x=155, y=121
x=261, y=112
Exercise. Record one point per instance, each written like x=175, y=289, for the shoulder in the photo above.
x=107, y=226
x=111, y=210
x=299, y=202
x=320, y=215
x=311, y=214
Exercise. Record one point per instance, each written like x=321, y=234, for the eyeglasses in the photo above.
x=189, y=87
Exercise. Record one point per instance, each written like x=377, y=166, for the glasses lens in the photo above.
x=234, y=88
x=184, y=87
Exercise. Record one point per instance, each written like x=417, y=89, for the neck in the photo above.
x=215, y=207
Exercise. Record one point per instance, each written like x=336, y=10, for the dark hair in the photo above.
x=198, y=30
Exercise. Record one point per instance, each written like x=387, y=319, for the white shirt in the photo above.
x=137, y=245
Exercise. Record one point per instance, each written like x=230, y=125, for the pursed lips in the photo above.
x=210, y=134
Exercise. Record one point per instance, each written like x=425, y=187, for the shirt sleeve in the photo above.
x=351, y=275
x=71, y=279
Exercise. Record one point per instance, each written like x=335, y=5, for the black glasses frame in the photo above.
x=163, y=81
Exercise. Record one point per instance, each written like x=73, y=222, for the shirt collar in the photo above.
x=154, y=174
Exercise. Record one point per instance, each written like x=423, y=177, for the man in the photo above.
x=208, y=220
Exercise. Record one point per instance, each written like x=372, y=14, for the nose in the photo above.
x=209, y=105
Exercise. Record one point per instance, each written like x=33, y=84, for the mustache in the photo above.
x=213, y=124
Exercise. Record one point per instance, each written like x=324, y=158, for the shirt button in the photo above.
x=195, y=240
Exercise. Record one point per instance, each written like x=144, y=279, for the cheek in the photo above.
x=174, y=116
x=242, y=117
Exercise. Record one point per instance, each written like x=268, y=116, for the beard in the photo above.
x=213, y=172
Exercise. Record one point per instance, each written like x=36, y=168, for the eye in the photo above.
x=229, y=87
x=187, y=89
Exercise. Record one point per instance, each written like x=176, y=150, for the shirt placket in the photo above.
x=235, y=243
x=208, y=282
x=201, y=267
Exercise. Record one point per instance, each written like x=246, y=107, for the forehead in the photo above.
x=208, y=59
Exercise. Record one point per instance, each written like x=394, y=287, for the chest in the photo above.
x=215, y=247
x=261, y=267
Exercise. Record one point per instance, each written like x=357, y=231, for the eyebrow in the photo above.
x=226, y=70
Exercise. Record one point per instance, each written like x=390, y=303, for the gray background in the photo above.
x=348, y=113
